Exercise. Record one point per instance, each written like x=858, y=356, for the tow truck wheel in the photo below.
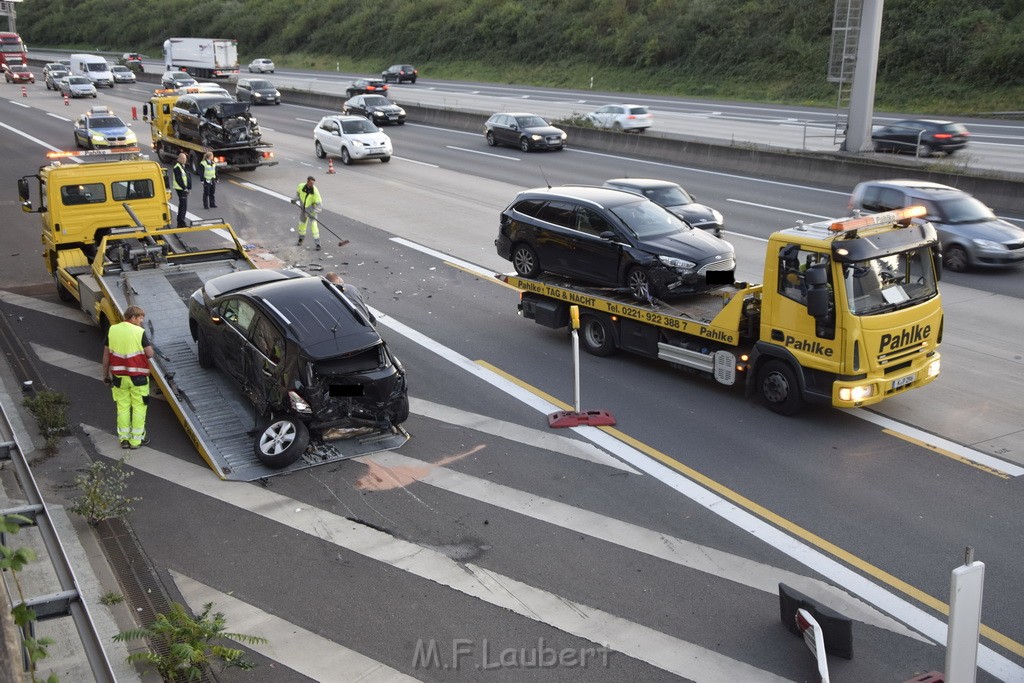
x=779, y=388
x=524, y=259
x=954, y=259
x=62, y=291
x=597, y=335
x=281, y=442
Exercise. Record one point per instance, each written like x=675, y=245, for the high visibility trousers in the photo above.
x=308, y=219
x=131, y=394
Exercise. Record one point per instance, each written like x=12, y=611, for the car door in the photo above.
x=331, y=137
x=554, y=238
x=81, y=130
x=357, y=106
x=265, y=367
x=591, y=256
x=229, y=339
x=243, y=91
x=507, y=131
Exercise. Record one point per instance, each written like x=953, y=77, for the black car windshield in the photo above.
x=376, y=101
x=647, y=219
x=668, y=196
x=891, y=282
x=267, y=85
x=78, y=80
x=531, y=122
x=357, y=127
x=962, y=210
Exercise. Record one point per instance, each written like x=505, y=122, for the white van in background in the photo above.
x=94, y=68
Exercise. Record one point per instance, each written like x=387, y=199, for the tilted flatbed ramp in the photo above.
x=219, y=420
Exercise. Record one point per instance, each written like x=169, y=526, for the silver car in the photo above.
x=971, y=235
x=76, y=86
x=122, y=74
x=261, y=66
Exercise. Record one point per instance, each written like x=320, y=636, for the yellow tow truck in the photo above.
x=108, y=244
x=849, y=314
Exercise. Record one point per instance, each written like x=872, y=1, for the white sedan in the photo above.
x=351, y=138
x=261, y=66
x=622, y=117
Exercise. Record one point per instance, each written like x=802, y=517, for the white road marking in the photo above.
x=634, y=640
x=290, y=645
x=75, y=315
x=486, y=154
x=59, y=117
x=684, y=553
x=776, y=208
x=537, y=438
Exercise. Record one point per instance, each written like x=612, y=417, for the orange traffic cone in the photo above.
x=330, y=165
x=24, y=91
x=66, y=103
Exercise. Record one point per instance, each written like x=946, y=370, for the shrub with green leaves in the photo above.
x=50, y=409
x=103, y=491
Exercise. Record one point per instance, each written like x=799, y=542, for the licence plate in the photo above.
x=903, y=381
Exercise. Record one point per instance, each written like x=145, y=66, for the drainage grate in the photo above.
x=138, y=579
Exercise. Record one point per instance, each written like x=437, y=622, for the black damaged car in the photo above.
x=611, y=238
x=303, y=352
x=214, y=121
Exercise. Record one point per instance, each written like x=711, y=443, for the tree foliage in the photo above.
x=779, y=44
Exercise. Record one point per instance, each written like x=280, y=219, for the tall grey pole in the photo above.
x=862, y=95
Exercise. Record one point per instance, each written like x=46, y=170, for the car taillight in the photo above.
x=943, y=136
x=631, y=117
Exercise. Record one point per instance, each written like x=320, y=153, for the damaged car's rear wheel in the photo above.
x=281, y=441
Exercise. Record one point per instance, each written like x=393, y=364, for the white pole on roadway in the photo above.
x=965, y=590
x=574, y=317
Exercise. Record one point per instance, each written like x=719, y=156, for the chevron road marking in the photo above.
x=634, y=640
x=290, y=645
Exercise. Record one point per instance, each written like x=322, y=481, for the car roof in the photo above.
x=205, y=98
x=344, y=117
x=913, y=184
x=602, y=196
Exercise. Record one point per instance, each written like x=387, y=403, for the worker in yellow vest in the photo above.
x=126, y=357
x=208, y=171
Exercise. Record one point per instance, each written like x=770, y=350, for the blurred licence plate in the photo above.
x=903, y=381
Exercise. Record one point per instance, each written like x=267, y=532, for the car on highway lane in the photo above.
x=176, y=79
x=303, y=352
x=257, y=91
x=675, y=199
x=400, y=73
x=132, y=60
x=52, y=73
x=122, y=74
x=922, y=137
x=102, y=128
x=361, y=86
x=525, y=131
x=970, y=234
x=377, y=108
x=76, y=86
x=352, y=138
x=611, y=238
x=18, y=73
x=623, y=118
x=261, y=66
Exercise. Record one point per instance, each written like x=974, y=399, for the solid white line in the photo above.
x=635, y=640
x=938, y=442
x=289, y=645
x=536, y=438
x=75, y=315
x=684, y=553
x=776, y=208
x=472, y=267
x=37, y=141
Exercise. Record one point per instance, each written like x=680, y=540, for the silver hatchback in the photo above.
x=971, y=235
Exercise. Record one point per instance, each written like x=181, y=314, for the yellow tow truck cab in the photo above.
x=849, y=314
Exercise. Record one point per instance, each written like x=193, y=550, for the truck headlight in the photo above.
x=858, y=393
x=933, y=368
x=673, y=262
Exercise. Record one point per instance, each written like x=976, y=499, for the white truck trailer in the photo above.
x=202, y=57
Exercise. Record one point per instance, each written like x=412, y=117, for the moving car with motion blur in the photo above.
x=303, y=352
x=18, y=73
x=622, y=118
x=611, y=238
x=525, y=131
x=921, y=137
x=377, y=108
x=361, y=86
x=173, y=80
x=261, y=66
x=969, y=233
x=122, y=74
x=76, y=86
x=352, y=138
x=400, y=73
x=675, y=199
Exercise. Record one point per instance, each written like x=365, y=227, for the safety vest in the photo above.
x=184, y=174
x=209, y=169
x=127, y=356
x=308, y=199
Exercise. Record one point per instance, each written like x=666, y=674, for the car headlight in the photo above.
x=130, y=138
x=564, y=136
x=673, y=262
x=401, y=112
x=277, y=94
x=98, y=137
x=378, y=114
x=536, y=137
x=299, y=404
x=717, y=216
x=257, y=96
x=987, y=244
x=358, y=144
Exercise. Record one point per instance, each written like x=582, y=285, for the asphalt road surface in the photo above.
x=651, y=551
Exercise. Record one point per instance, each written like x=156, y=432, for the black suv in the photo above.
x=611, y=238
x=212, y=119
x=399, y=73
x=303, y=352
x=922, y=137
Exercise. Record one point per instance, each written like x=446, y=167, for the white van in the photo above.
x=94, y=68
